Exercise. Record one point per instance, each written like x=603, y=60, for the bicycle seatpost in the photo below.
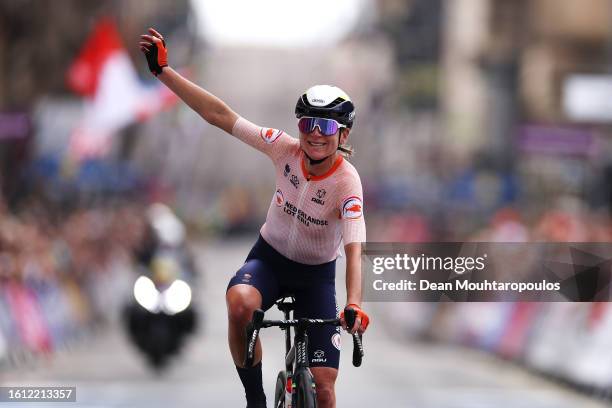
x=252, y=333
x=349, y=316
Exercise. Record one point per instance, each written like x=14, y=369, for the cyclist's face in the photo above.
x=318, y=146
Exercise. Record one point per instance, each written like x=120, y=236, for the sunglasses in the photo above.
x=327, y=127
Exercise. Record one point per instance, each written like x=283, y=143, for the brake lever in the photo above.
x=349, y=316
x=252, y=333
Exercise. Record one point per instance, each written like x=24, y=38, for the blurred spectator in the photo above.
x=60, y=275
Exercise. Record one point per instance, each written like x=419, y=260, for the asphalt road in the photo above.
x=109, y=373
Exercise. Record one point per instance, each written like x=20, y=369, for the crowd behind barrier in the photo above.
x=570, y=342
x=62, y=275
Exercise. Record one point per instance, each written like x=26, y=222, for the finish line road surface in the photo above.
x=108, y=372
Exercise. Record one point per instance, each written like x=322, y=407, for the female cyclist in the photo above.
x=317, y=204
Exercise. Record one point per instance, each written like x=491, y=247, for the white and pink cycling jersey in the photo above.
x=309, y=216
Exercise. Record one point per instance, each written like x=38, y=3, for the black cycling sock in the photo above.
x=252, y=381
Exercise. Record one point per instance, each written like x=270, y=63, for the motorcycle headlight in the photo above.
x=177, y=297
x=146, y=294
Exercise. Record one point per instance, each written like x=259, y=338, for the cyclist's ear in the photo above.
x=344, y=134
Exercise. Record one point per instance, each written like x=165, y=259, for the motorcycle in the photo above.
x=161, y=316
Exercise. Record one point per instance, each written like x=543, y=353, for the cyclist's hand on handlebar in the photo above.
x=153, y=47
x=361, y=322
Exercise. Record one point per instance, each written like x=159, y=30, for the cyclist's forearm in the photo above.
x=353, y=273
x=207, y=105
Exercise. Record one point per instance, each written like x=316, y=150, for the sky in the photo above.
x=278, y=23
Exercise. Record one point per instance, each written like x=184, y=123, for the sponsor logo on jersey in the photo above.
x=278, y=198
x=319, y=198
x=336, y=340
x=270, y=135
x=295, y=181
x=352, y=208
x=287, y=170
x=304, y=218
x=319, y=357
x=246, y=277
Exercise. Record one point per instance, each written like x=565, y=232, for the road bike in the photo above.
x=295, y=386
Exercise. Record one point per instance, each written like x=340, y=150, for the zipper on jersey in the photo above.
x=293, y=230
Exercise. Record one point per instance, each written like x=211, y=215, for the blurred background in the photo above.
x=484, y=120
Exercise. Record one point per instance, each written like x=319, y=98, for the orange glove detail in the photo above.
x=365, y=319
x=154, y=49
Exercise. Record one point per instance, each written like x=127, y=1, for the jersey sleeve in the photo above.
x=351, y=212
x=273, y=142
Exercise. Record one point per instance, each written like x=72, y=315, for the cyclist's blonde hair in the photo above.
x=346, y=150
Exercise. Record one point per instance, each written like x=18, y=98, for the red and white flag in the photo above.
x=114, y=97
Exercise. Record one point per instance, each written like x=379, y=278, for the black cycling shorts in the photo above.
x=312, y=286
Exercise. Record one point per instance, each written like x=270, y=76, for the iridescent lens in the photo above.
x=306, y=125
x=327, y=127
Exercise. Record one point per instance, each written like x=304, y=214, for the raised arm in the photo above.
x=208, y=106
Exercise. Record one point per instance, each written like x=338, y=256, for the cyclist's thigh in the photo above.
x=319, y=302
x=259, y=275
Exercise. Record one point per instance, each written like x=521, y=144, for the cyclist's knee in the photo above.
x=325, y=378
x=242, y=300
x=326, y=395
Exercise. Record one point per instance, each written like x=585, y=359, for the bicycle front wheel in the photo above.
x=305, y=390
